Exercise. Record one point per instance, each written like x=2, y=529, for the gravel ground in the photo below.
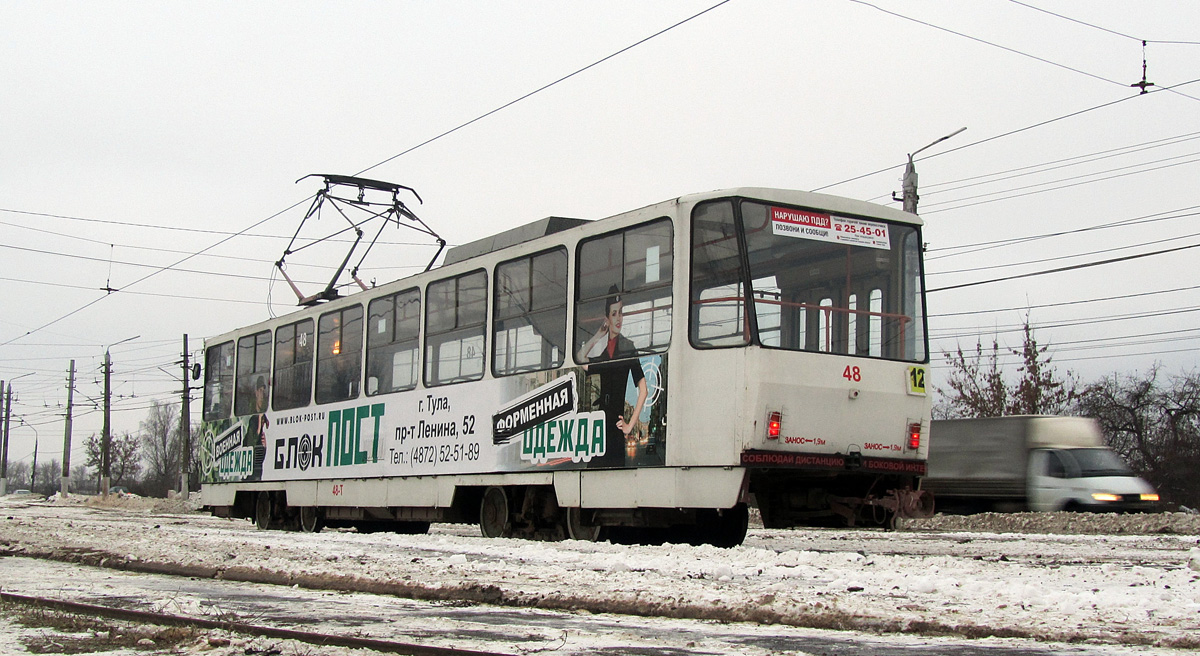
x=1063, y=523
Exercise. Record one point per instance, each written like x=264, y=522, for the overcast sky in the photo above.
x=133, y=134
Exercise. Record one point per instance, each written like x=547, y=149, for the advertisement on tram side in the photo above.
x=607, y=414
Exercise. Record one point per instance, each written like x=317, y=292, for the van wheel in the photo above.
x=312, y=519
x=494, y=516
x=262, y=511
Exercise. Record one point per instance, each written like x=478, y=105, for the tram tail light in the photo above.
x=914, y=436
x=774, y=425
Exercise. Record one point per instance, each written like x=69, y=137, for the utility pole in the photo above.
x=909, y=185
x=4, y=455
x=105, y=434
x=185, y=423
x=33, y=469
x=3, y=445
x=66, y=468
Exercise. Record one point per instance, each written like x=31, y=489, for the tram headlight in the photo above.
x=914, y=436
x=774, y=425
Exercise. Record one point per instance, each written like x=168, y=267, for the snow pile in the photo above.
x=131, y=502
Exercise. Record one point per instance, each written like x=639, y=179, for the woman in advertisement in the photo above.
x=616, y=363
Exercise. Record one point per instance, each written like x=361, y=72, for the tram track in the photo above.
x=309, y=637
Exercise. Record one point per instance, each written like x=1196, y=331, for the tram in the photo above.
x=542, y=383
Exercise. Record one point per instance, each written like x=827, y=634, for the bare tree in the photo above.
x=18, y=475
x=977, y=386
x=46, y=479
x=125, y=458
x=1154, y=426
x=79, y=479
x=1040, y=390
x=161, y=447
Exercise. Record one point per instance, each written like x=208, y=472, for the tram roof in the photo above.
x=555, y=224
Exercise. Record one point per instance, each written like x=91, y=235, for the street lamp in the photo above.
x=106, y=435
x=6, y=419
x=910, y=175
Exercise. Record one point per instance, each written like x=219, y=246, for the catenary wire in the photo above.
x=1085, y=265
x=389, y=159
x=543, y=88
x=1102, y=29
x=156, y=272
x=176, y=251
x=1048, y=182
x=1063, y=303
x=1012, y=241
x=130, y=224
x=1060, y=187
x=1008, y=49
x=1001, y=135
x=1062, y=257
x=1043, y=167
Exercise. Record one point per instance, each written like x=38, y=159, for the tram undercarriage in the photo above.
x=512, y=511
x=788, y=499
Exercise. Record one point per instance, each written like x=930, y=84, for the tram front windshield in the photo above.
x=817, y=281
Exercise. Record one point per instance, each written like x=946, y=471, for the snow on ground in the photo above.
x=1139, y=587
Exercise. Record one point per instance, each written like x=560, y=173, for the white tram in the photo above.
x=524, y=384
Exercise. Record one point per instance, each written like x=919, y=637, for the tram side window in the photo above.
x=718, y=304
x=624, y=292
x=218, y=381
x=253, y=373
x=293, y=365
x=393, y=327
x=455, y=328
x=530, y=329
x=339, y=354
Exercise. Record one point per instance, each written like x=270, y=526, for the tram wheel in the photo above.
x=262, y=511
x=494, y=516
x=576, y=529
x=312, y=519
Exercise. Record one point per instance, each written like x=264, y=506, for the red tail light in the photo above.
x=914, y=436
x=774, y=425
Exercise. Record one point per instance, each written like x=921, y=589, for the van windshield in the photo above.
x=1099, y=462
